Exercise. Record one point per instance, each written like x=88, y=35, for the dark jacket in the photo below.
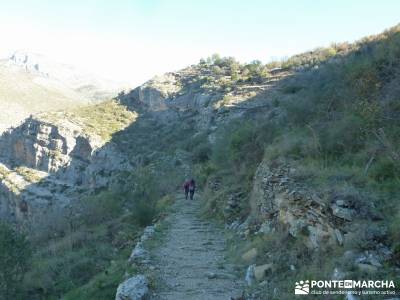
x=192, y=185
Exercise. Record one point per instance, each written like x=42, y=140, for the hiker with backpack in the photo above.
x=186, y=188
x=192, y=188
x=189, y=187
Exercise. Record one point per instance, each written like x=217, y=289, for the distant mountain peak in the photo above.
x=29, y=61
x=91, y=86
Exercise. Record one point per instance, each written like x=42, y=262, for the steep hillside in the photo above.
x=314, y=189
x=22, y=94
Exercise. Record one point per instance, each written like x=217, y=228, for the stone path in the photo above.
x=190, y=259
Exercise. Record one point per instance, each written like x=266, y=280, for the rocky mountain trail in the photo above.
x=186, y=259
x=191, y=258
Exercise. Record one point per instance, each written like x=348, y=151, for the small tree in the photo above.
x=216, y=59
x=15, y=254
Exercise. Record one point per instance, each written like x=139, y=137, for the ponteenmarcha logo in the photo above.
x=302, y=287
x=317, y=287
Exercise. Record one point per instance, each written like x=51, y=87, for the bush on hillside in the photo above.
x=385, y=169
x=101, y=207
x=344, y=135
x=144, y=196
x=15, y=255
x=201, y=153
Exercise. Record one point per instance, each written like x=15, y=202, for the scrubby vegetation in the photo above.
x=14, y=261
x=29, y=174
x=103, y=119
x=346, y=117
x=86, y=258
x=340, y=129
x=225, y=71
x=231, y=164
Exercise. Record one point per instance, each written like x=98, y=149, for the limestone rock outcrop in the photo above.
x=277, y=199
x=44, y=146
x=46, y=166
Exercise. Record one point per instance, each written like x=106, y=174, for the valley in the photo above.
x=297, y=166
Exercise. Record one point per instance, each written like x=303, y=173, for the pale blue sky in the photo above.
x=132, y=40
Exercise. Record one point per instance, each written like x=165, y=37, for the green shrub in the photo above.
x=203, y=171
x=15, y=255
x=291, y=89
x=300, y=111
x=149, y=189
x=384, y=169
x=102, y=286
x=342, y=136
x=396, y=253
x=201, y=153
x=144, y=211
x=103, y=206
x=244, y=144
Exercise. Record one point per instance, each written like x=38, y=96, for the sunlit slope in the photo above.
x=22, y=94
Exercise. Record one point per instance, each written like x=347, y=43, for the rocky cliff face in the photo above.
x=46, y=167
x=30, y=198
x=165, y=97
x=277, y=199
x=40, y=145
x=194, y=93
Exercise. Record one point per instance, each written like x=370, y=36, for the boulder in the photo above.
x=250, y=255
x=342, y=213
x=139, y=254
x=260, y=272
x=147, y=233
x=373, y=260
x=383, y=252
x=339, y=237
x=134, y=288
x=265, y=228
x=211, y=275
x=350, y=255
x=250, y=277
x=341, y=203
x=320, y=236
x=370, y=258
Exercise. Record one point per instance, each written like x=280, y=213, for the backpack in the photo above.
x=192, y=186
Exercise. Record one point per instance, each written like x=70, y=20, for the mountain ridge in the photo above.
x=34, y=84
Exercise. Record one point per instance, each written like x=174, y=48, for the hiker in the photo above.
x=192, y=188
x=186, y=188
